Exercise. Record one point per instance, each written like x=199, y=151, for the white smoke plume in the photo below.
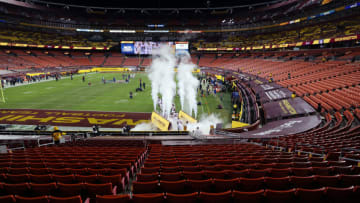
x=144, y=127
x=162, y=78
x=204, y=124
x=187, y=84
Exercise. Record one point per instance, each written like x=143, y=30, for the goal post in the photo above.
x=2, y=94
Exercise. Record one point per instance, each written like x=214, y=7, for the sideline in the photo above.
x=49, y=80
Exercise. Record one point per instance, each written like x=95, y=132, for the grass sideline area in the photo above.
x=67, y=94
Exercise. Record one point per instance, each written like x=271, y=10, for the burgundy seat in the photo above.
x=191, y=168
x=147, y=170
x=341, y=195
x=42, y=189
x=18, y=170
x=41, y=178
x=148, y=198
x=69, y=179
x=79, y=171
x=310, y=195
x=86, y=178
x=69, y=190
x=301, y=171
x=194, y=175
x=257, y=173
x=350, y=180
x=251, y=197
x=116, y=180
x=39, y=171
x=113, y=198
x=182, y=198
x=171, y=176
x=147, y=177
x=176, y=187
x=251, y=185
x=7, y=199
x=342, y=170
x=303, y=182
x=222, y=185
x=36, y=165
x=238, y=173
x=280, y=195
x=21, y=189
x=145, y=187
x=99, y=189
x=279, y=173
x=200, y=185
x=20, y=178
x=278, y=183
x=328, y=181
x=73, y=199
x=215, y=197
x=40, y=199
x=323, y=171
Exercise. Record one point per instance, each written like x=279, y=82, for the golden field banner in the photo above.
x=194, y=71
x=100, y=69
x=36, y=74
x=237, y=124
x=186, y=117
x=85, y=71
x=160, y=122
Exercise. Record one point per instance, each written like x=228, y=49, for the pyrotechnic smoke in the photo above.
x=204, y=123
x=187, y=84
x=162, y=78
x=144, y=127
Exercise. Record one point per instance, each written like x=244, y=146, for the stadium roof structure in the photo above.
x=156, y=5
x=210, y=4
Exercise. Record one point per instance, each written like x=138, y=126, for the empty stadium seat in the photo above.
x=175, y=187
x=150, y=198
x=256, y=196
x=40, y=199
x=180, y=198
x=310, y=195
x=113, y=198
x=215, y=197
x=73, y=199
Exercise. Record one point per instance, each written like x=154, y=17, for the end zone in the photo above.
x=72, y=118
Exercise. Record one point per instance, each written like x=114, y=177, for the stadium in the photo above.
x=165, y=101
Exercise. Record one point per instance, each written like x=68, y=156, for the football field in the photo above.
x=67, y=94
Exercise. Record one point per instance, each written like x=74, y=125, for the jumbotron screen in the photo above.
x=146, y=48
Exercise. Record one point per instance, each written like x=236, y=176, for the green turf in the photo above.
x=67, y=94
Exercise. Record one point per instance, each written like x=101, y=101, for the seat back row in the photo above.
x=245, y=184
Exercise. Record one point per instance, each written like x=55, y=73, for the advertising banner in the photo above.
x=186, y=117
x=160, y=122
x=127, y=48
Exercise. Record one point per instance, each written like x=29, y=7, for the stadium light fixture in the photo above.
x=156, y=31
x=122, y=31
x=88, y=30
